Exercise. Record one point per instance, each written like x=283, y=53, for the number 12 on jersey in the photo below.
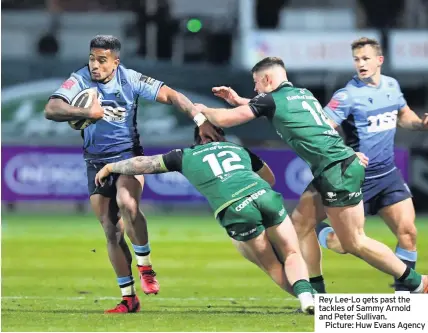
x=226, y=164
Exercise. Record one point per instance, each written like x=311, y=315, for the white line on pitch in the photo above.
x=77, y=298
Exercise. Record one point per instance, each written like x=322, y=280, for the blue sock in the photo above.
x=141, y=250
x=142, y=254
x=409, y=258
x=322, y=230
x=126, y=285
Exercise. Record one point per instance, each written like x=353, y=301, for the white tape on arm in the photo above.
x=199, y=119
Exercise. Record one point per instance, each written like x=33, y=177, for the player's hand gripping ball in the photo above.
x=83, y=99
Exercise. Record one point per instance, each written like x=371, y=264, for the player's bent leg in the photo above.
x=328, y=238
x=106, y=211
x=348, y=222
x=270, y=265
x=259, y=250
x=400, y=218
x=283, y=238
x=129, y=189
x=305, y=216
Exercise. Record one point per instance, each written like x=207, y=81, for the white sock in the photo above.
x=143, y=260
x=128, y=291
x=306, y=301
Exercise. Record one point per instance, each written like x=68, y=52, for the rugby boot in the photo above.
x=149, y=283
x=129, y=304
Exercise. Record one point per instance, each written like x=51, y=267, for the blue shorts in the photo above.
x=96, y=163
x=384, y=191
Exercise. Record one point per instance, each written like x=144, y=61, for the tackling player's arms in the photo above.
x=133, y=166
x=408, y=119
x=227, y=117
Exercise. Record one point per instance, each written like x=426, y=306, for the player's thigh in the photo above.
x=129, y=190
x=259, y=251
x=309, y=211
x=106, y=211
x=283, y=238
x=340, y=184
x=400, y=216
x=348, y=223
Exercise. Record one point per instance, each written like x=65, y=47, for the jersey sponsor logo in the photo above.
x=281, y=212
x=113, y=112
x=382, y=122
x=294, y=97
x=331, y=196
x=148, y=80
x=250, y=199
x=68, y=84
x=354, y=194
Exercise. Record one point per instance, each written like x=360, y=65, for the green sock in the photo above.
x=302, y=286
x=411, y=279
x=318, y=284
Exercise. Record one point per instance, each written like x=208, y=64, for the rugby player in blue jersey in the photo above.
x=114, y=137
x=368, y=110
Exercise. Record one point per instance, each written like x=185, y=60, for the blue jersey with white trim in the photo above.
x=368, y=116
x=117, y=130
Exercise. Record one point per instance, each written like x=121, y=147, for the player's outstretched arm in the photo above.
x=227, y=117
x=167, y=95
x=408, y=119
x=133, y=166
x=230, y=96
x=59, y=110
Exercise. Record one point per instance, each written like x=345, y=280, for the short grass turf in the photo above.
x=56, y=277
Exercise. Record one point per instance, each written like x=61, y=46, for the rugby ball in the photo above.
x=82, y=100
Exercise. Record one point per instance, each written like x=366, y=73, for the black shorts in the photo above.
x=96, y=163
x=384, y=191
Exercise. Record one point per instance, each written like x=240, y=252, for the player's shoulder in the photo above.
x=83, y=75
x=390, y=82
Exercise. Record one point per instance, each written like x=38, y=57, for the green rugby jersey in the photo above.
x=301, y=122
x=223, y=172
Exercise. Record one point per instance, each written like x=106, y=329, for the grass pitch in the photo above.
x=56, y=277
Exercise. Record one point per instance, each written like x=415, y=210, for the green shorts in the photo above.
x=248, y=217
x=340, y=184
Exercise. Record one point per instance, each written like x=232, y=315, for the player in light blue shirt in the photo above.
x=368, y=110
x=114, y=137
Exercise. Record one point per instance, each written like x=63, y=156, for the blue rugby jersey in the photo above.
x=368, y=116
x=117, y=130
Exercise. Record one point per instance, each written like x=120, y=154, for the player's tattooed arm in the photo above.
x=138, y=165
x=408, y=119
x=133, y=166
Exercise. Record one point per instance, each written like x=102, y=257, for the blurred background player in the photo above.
x=237, y=185
x=368, y=110
x=338, y=174
x=114, y=137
